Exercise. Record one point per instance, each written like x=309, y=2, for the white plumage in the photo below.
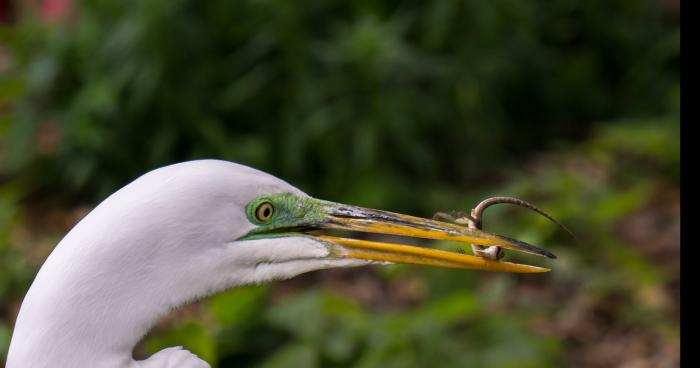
x=167, y=238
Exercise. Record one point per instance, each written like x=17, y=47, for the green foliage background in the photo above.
x=403, y=105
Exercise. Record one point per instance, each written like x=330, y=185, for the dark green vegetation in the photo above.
x=414, y=107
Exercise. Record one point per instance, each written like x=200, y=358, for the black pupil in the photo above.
x=266, y=211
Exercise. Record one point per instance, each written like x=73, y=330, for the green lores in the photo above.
x=283, y=211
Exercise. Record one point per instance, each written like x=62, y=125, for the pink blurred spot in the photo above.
x=55, y=10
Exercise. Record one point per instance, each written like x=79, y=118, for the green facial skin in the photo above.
x=289, y=211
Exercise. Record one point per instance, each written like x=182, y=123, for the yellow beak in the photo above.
x=357, y=219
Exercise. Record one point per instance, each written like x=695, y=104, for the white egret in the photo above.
x=192, y=229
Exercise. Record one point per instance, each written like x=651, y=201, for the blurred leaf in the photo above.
x=294, y=355
x=237, y=306
x=5, y=335
x=192, y=336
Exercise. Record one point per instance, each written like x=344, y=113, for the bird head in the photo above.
x=214, y=225
x=261, y=228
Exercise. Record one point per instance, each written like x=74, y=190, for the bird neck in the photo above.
x=88, y=307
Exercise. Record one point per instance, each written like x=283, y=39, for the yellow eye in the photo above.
x=264, y=212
